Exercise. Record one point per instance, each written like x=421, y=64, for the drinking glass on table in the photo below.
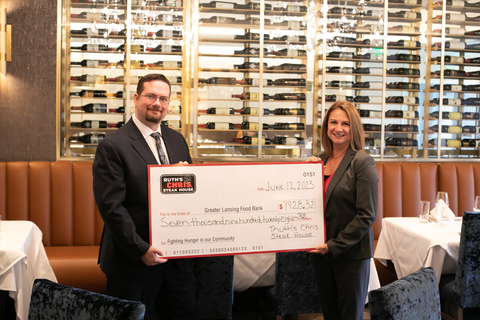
x=476, y=205
x=441, y=203
x=424, y=211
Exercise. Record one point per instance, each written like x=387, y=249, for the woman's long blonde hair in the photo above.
x=357, y=135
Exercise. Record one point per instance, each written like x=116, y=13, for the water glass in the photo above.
x=476, y=205
x=441, y=202
x=424, y=211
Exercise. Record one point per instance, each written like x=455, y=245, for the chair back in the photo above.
x=53, y=301
x=295, y=290
x=467, y=278
x=413, y=297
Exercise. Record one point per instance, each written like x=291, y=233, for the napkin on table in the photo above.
x=447, y=214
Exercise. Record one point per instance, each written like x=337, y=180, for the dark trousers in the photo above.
x=343, y=287
x=171, y=295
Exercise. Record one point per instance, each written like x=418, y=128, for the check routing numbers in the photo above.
x=204, y=210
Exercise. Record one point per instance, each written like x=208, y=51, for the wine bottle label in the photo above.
x=92, y=32
x=457, y=16
x=293, y=8
x=100, y=108
x=375, y=99
x=456, y=87
x=174, y=124
x=455, y=31
x=222, y=126
x=94, y=15
x=293, y=24
x=455, y=115
x=409, y=114
x=222, y=111
x=457, y=45
x=256, y=82
x=167, y=33
x=454, y=102
x=408, y=29
x=136, y=63
x=454, y=129
x=290, y=141
x=92, y=78
x=224, y=5
x=458, y=3
x=135, y=48
x=345, y=55
x=408, y=43
x=174, y=109
x=456, y=59
x=292, y=53
x=170, y=64
x=293, y=38
x=95, y=124
x=477, y=143
x=92, y=47
x=92, y=63
x=409, y=100
x=453, y=143
x=252, y=112
x=253, y=126
x=410, y=1
x=376, y=85
x=166, y=48
x=410, y=15
x=254, y=96
x=375, y=114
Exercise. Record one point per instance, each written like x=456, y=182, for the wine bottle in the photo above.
x=369, y=113
x=250, y=51
x=90, y=31
x=117, y=110
x=403, y=85
x=246, y=125
x=401, y=128
x=472, y=33
x=405, y=43
x=251, y=36
x=165, y=48
x=446, y=115
x=471, y=116
x=283, y=140
x=174, y=124
x=471, y=129
x=88, y=138
x=396, y=142
x=291, y=38
x=217, y=126
x=447, y=129
x=222, y=80
x=288, y=112
x=369, y=56
x=94, y=124
x=448, y=102
x=336, y=97
x=255, y=82
x=168, y=64
x=167, y=18
x=218, y=5
x=92, y=63
x=448, y=87
x=404, y=57
x=408, y=29
x=88, y=16
x=216, y=110
x=252, y=140
x=290, y=67
x=289, y=82
x=253, y=111
x=291, y=8
x=401, y=114
x=341, y=55
x=372, y=127
x=169, y=33
x=290, y=53
x=252, y=96
x=364, y=70
x=92, y=47
x=368, y=99
x=409, y=14
x=340, y=69
x=472, y=101
x=289, y=96
x=92, y=108
x=340, y=84
x=90, y=94
x=289, y=126
x=455, y=16
x=451, y=59
x=218, y=20
x=477, y=18
x=473, y=74
x=450, y=143
x=249, y=65
x=456, y=3
x=470, y=143
x=472, y=87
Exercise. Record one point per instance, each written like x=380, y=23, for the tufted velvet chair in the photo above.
x=413, y=297
x=463, y=288
x=295, y=290
x=53, y=301
x=213, y=287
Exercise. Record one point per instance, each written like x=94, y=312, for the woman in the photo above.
x=342, y=265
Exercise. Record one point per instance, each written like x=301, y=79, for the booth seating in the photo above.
x=57, y=196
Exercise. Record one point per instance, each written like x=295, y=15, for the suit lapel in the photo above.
x=170, y=144
x=342, y=167
x=139, y=144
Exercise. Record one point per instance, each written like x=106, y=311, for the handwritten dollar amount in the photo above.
x=296, y=206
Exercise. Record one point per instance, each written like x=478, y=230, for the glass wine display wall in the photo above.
x=250, y=79
x=104, y=58
x=451, y=98
x=355, y=68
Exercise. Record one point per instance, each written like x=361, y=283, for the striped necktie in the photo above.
x=158, y=142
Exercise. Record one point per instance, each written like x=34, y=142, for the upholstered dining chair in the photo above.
x=53, y=301
x=462, y=289
x=295, y=290
x=412, y=297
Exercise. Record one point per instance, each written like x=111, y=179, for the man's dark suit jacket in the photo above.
x=120, y=185
x=351, y=207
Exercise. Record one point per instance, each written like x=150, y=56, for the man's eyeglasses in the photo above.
x=152, y=98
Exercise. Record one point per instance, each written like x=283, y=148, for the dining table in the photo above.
x=412, y=245
x=22, y=260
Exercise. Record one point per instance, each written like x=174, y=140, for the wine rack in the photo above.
x=103, y=59
x=383, y=84
x=452, y=87
x=250, y=80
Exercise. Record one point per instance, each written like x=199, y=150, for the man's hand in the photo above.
x=323, y=249
x=181, y=163
x=152, y=257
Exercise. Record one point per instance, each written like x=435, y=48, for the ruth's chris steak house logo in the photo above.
x=174, y=183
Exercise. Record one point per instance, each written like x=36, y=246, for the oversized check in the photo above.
x=225, y=209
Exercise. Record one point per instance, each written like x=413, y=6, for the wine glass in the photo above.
x=476, y=205
x=441, y=202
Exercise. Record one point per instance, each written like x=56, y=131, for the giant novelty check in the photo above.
x=225, y=209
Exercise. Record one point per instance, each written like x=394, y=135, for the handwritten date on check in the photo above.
x=226, y=209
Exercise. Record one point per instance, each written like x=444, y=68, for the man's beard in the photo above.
x=153, y=119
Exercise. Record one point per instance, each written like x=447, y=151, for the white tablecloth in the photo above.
x=22, y=260
x=412, y=245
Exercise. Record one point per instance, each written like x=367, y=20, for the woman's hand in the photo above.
x=314, y=159
x=323, y=249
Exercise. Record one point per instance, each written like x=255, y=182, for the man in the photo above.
x=134, y=269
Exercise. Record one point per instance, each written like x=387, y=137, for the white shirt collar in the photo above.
x=146, y=131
